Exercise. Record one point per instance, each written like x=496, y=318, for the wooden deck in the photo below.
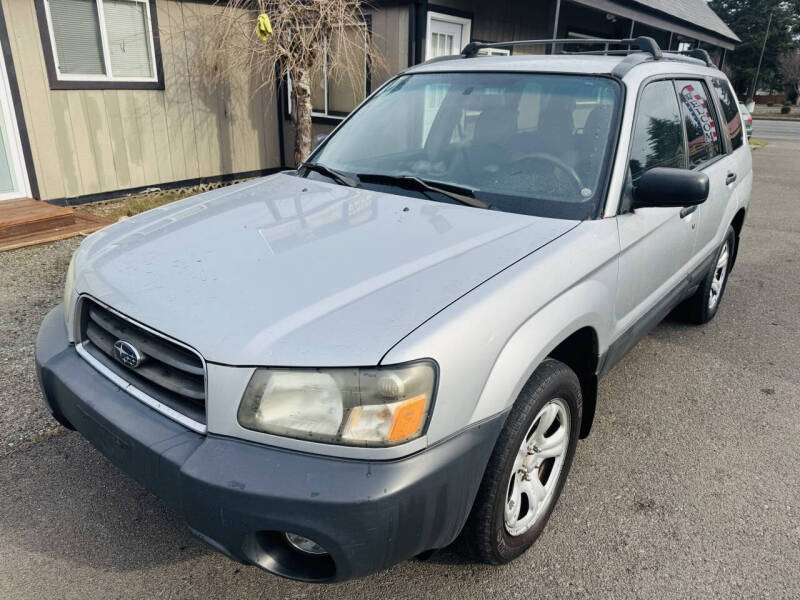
x=26, y=222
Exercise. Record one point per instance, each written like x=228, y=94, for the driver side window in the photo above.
x=657, y=139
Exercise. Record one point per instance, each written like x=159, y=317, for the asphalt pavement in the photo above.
x=767, y=129
x=687, y=487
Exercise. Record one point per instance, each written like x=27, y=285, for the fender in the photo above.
x=489, y=342
x=538, y=336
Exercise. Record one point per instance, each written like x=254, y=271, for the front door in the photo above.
x=13, y=177
x=655, y=243
x=447, y=34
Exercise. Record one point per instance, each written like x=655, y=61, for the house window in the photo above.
x=102, y=41
x=335, y=95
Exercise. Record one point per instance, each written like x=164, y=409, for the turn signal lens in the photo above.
x=394, y=422
x=69, y=287
x=408, y=418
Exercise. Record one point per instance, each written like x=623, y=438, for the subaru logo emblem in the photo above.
x=127, y=354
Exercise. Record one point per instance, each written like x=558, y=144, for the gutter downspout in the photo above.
x=279, y=93
x=421, y=10
x=550, y=49
x=412, y=34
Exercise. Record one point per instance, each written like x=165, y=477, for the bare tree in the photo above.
x=790, y=70
x=303, y=33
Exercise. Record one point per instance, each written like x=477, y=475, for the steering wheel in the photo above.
x=519, y=164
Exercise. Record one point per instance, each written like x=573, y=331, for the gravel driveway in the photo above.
x=687, y=487
x=32, y=282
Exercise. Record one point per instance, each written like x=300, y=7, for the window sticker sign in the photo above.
x=697, y=109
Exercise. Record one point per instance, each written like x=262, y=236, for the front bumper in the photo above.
x=238, y=496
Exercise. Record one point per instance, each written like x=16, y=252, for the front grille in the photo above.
x=167, y=372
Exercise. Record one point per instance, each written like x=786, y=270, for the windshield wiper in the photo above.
x=464, y=195
x=337, y=176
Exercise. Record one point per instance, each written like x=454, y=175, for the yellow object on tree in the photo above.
x=263, y=27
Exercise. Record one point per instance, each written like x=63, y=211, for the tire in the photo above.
x=497, y=536
x=704, y=303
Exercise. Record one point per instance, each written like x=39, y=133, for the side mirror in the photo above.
x=663, y=186
x=318, y=139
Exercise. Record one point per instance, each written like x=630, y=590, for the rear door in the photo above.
x=739, y=165
x=707, y=144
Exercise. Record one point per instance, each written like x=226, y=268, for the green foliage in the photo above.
x=748, y=19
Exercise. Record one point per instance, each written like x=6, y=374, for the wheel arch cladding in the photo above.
x=580, y=352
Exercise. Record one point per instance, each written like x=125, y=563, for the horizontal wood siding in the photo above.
x=504, y=20
x=93, y=141
x=390, y=34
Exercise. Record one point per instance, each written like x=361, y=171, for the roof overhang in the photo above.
x=661, y=22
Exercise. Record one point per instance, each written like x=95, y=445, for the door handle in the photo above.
x=730, y=178
x=687, y=210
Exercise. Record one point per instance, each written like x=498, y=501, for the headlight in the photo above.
x=69, y=285
x=358, y=407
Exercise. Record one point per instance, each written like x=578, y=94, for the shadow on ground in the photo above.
x=75, y=504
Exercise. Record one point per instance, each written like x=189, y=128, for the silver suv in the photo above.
x=333, y=369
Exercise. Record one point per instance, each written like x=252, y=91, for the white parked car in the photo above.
x=334, y=369
x=747, y=118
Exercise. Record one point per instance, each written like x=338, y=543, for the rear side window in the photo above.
x=657, y=135
x=698, y=118
x=730, y=111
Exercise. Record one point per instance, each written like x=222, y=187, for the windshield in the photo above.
x=519, y=142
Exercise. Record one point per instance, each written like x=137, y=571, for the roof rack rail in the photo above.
x=699, y=54
x=626, y=64
x=436, y=59
x=643, y=43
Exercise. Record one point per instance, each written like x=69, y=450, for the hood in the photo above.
x=286, y=271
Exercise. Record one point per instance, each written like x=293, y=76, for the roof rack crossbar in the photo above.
x=643, y=43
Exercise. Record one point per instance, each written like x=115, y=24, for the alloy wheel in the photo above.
x=718, y=280
x=537, y=467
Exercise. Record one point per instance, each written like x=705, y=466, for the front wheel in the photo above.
x=528, y=466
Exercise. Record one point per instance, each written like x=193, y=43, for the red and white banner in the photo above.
x=699, y=112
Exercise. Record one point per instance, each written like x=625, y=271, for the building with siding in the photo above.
x=101, y=97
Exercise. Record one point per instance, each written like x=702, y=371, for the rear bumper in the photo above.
x=237, y=495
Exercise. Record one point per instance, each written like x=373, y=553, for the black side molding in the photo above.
x=625, y=342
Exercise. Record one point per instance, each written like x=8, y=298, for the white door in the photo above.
x=13, y=177
x=446, y=34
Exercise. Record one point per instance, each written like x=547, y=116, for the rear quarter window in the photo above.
x=730, y=111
